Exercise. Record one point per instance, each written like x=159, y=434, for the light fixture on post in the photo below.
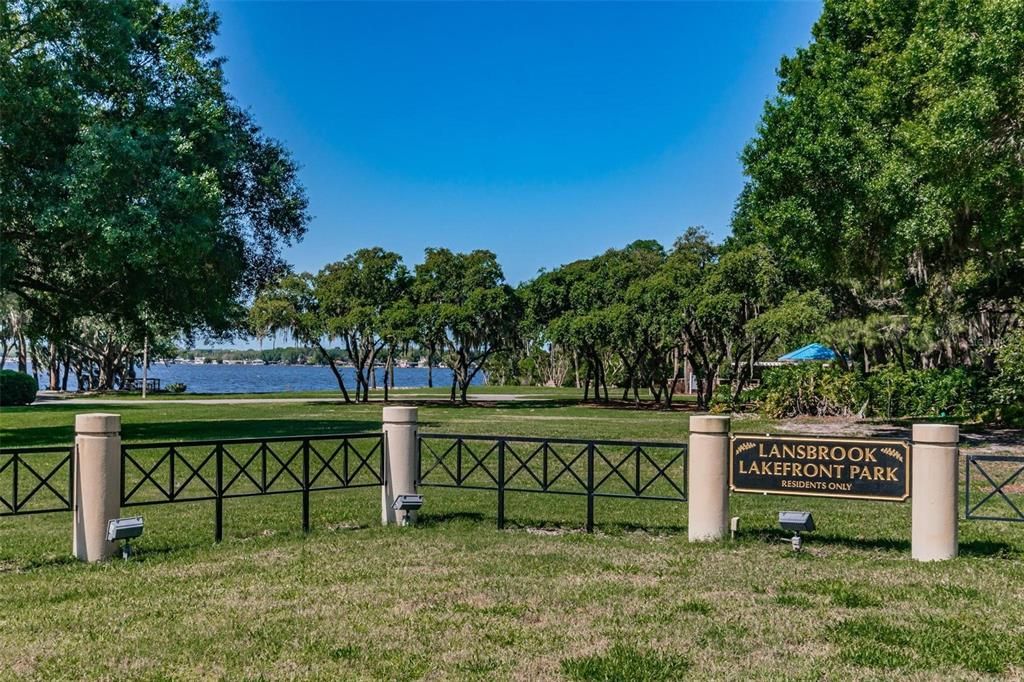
x=124, y=529
x=798, y=522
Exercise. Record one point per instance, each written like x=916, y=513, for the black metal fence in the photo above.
x=1000, y=501
x=216, y=470
x=36, y=480
x=590, y=468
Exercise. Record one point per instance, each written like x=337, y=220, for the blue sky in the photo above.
x=543, y=132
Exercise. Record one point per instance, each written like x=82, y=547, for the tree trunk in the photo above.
x=64, y=378
x=22, y=353
x=372, y=371
x=709, y=392
x=604, y=379
x=676, y=367
x=54, y=379
x=337, y=373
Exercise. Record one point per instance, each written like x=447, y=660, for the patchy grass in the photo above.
x=931, y=643
x=623, y=663
x=457, y=599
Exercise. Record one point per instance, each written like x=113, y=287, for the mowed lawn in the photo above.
x=455, y=598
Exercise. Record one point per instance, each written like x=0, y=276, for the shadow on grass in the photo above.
x=863, y=544
x=489, y=404
x=988, y=548
x=434, y=520
x=972, y=548
x=649, y=528
x=190, y=430
x=643, y=406
x=34, y=563
x=244, y=428
x=528, y=403
x=542, y=525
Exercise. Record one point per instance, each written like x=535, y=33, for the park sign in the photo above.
x=823, y=467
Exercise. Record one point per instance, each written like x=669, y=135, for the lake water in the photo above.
x=273, y=378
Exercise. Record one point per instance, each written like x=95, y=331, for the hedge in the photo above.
x=816, y=389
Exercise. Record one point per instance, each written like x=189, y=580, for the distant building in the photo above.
x=812, y=352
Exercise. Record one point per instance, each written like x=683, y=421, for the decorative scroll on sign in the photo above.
x=826, y=467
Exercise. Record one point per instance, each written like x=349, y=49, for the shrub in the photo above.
x=956, y=392
x=1008, y=385
x=722, y=401
x=819, y=390
x=17, y=388
x=176, y=388
x=811, y=389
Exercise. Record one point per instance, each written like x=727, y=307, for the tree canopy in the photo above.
x=132, y=186
x=889, y=171
x=469, y=308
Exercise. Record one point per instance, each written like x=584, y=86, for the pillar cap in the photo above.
x=98, y=423
x=938, y=434
x=400, y=415
x=709, y=423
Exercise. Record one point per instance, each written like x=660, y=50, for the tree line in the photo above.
x=883, y=215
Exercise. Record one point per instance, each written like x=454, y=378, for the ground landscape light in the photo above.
x=798, y=522
x=407, y=503
x=124, y=529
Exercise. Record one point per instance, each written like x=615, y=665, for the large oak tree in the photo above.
x=889, y=170
x=133, y=187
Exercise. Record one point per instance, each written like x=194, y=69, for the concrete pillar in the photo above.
x=708, y=489
x=97, y=484
x=401, y=461
x=934, y=489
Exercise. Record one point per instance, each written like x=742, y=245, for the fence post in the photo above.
x=401, y=462
x=708, y=480
x=501, y=485
x=934, y=467
x=305, y=486
x=218, y=503
x=590, y=487
x=97, y=491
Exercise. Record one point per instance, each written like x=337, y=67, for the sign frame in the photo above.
x=883, y=442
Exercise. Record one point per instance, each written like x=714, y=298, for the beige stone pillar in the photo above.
x=934, y=489
x=401, y=461
x=708, y=480
x=97, y=484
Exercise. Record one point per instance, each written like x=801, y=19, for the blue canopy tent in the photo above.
x=810, y=353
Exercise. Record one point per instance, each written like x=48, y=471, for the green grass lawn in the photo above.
x=454, y=598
